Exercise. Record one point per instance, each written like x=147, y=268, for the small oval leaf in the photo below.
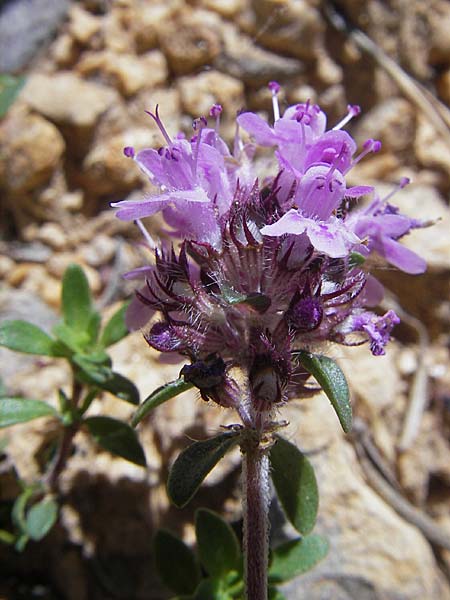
x=193, y=465
x=217, y=544
x=115, y=329
x=122, y=387
x=296, y=557
x=25, y=337
x=176, y=563
x=76, y=298
x=295, y=483
x=10, y=86
x=332, y=380
x=21, y=410
x=116, y=437
x=40, y=519
x=159, y=396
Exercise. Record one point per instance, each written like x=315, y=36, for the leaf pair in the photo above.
x=35, y=522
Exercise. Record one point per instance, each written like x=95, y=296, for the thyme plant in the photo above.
x=265, y=271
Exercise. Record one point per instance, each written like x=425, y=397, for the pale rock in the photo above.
x=82, y=24
x=356, y=521
x=106, y=170
x=333, y=101
x=199, y=92
x=225, y=8
x=72, y=201
x=301, y=93
x=53, y=235
x=292, y=28
x=58, y=263
x=168, y=100
x=64, y=50
x=375, y=167
x=117, y=36
x=430, y=149
x=149, y=19
x=100, y=251
x=243, y=59
x=189, y=44
x=67, y=99
x=327, y=70
x=127, y=72
x=31, y=149
x=395, y=125
x=6, y=265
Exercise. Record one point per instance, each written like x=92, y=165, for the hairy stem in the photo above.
x=255, y=481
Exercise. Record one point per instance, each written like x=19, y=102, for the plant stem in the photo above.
x=255, y=481
x=65, y=446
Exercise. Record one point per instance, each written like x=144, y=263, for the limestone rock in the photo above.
x=126, y=72
x=82, y=24
x=31, y=148
x=188, y=44
x=364, y=533
x=395, y=119
x=199, y=92
x=243, y=59
x=292, y=28
x=67, y=99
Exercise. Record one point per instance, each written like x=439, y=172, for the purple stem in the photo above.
x=255, y=481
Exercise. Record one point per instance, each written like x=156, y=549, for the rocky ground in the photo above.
x=385, y=489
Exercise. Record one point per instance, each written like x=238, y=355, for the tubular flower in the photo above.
x=262, y=269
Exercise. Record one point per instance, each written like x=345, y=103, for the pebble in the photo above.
x=53, y=235
x=430, y=148
x=82, y=24
x=199, y=92
x=31, y=148
x=395, y=118
x=189, y=45
x=439, y=25
x=127, y=72
x=67, y=99
x=99, y=251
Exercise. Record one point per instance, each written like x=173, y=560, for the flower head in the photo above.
x=263, y=269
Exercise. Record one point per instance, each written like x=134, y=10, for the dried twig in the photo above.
x=410, y=88
x=418, y=392
x=403, y=507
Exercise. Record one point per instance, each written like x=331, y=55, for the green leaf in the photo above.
x=76, y=299
x=210, y=589
x=159, y=396
x=218, y=546
x=93, y=327
x=332, y=380
x=92, y=371
x=9, y=88
x=193, y=465
x=18, y=510
x=122, y=387
x=75, y=341
x=40, y=519
x=115, y=328
x=116, y=437
x=296, y=557
x=20, y=410
x=295, y=483
x=176, y=563
x=25, y=337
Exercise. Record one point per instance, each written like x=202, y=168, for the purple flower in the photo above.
x=263, y=269
x=382, y=225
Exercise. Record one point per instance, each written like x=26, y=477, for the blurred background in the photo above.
x=84, y=73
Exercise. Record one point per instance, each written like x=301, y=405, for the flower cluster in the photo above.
x=264, y=267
